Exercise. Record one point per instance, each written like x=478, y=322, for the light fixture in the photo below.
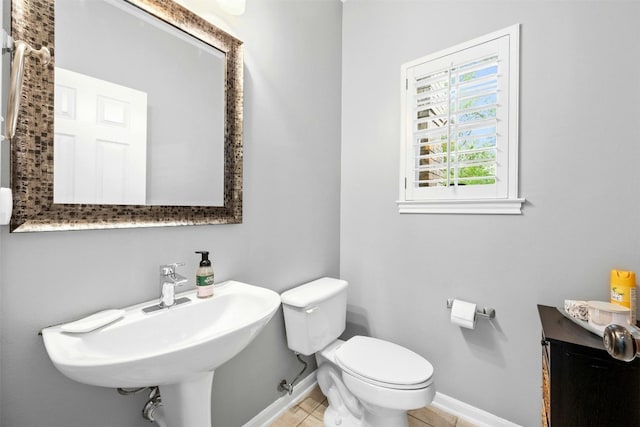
x=233, y=7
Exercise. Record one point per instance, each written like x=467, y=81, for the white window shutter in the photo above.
x=459, y=116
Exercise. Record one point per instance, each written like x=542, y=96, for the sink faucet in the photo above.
x=169, y=280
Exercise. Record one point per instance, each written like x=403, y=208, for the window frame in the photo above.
x=469, y=200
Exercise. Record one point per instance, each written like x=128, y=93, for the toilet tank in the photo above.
x=315, y=314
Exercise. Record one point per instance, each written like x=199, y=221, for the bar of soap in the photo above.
x=93, y=321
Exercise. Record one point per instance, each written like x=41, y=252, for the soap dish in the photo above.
x=93, y=322
x=585, y=324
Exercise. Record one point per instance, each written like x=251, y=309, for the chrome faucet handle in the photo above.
x=170, y=269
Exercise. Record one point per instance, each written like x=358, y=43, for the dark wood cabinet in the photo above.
x=582, y=385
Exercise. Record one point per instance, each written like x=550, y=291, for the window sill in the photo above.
x=488, y=206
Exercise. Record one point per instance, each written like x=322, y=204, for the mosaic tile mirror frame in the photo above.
x=32, y=147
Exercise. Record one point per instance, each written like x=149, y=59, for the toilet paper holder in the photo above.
x=483, y=312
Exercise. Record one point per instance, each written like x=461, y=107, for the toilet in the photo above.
x=368, y=382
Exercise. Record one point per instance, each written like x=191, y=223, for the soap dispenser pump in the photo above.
x=204, y=276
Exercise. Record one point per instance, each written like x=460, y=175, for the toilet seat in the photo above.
x=384, y=364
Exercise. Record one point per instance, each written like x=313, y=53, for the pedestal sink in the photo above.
x=176, y=348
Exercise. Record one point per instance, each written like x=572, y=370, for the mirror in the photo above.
x=182, y=122
x=122, y=134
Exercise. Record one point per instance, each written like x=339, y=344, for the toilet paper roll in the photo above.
x=463, y=314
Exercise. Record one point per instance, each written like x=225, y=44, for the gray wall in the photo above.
x=290, y=234
x=580, y=85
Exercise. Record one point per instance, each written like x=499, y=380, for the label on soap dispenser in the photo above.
x=204, y=286
x=204, y=280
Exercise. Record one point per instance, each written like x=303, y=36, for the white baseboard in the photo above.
x=441, y=401
x=469, y=413
x=277, y=408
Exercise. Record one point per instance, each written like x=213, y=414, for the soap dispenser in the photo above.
x=204, y=276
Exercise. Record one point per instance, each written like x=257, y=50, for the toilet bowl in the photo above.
x=368, y=382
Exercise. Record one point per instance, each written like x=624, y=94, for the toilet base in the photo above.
x=371, y=418
x=344, y=410
x=382, y=417
x=334, y=419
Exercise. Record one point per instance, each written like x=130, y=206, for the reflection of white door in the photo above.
x=100, y=145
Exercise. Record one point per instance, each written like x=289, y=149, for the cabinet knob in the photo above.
x=544, y=343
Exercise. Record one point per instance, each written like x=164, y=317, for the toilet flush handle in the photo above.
x=311, y=309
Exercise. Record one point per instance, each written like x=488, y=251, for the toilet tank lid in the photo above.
x=313, y=292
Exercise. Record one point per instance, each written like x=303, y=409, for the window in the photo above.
x=459, y=150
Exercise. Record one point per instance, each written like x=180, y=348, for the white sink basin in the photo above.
x=168, y=345
x=176, y=348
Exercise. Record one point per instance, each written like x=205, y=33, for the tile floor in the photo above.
x=310, y=410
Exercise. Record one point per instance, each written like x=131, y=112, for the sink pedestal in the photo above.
x=188, y=403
